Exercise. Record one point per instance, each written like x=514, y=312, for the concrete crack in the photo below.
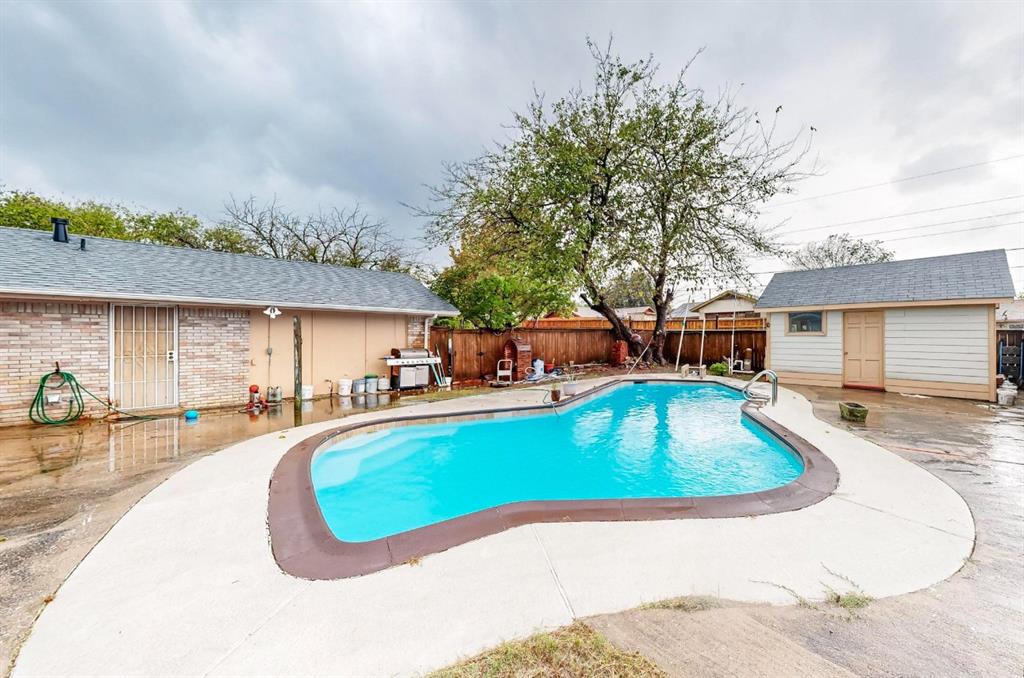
x=554, y=574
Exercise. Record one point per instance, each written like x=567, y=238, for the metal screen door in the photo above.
x=143, y=353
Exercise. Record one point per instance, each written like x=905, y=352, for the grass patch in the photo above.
x=800, y=600
x=574, y=651
x=684, y=604
x=849, y=601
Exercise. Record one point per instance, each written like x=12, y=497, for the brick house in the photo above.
x=151, y=326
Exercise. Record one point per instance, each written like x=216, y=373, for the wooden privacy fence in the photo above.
x=602, y=324
x=477, y=351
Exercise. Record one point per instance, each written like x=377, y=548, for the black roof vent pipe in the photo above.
x=60, y=229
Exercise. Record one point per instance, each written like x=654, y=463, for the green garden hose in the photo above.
x=56, y=380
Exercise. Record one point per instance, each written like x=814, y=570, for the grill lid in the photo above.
x=410, y=353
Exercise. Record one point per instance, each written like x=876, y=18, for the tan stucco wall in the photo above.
x=334, y=345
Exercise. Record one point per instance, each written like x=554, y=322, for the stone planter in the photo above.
x=853, y=411
x=570, y=388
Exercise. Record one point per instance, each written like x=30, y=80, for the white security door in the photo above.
x=143, y=353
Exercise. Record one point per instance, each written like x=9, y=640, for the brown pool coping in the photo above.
x=304, y=546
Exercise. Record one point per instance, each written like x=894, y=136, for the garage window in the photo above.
x=805, y=322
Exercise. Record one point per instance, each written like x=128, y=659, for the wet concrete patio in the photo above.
x=63, y=487
x=972, y=624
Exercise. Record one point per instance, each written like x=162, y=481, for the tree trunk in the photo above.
x=619, y=327
x=662, y=308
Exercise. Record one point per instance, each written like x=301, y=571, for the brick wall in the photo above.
x=213, y=356
x=416, y=337
x=35, y=334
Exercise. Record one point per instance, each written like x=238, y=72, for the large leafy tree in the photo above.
x=839, y=250
x=554, y=195
x=344, y=237
x=24, y=209
x=496, y=292
x=627, y=176
x=629, y=288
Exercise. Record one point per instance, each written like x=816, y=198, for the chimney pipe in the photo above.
x=60, y=229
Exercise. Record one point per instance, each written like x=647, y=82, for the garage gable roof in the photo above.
x=974, y=275
x=31, y=263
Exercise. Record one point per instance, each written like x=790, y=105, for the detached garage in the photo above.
x=920, y=326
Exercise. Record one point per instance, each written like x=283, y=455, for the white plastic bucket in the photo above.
x=344, y=387
x=371, y=384
x=307, y=391
x=359, y=386
x=383, y=384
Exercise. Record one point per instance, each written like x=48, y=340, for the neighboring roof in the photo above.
x=634, y=310
x=684, y=311
x=583, y=311
x=32, y=263
x=974, y=275
x=586, y=312
x=722, y=295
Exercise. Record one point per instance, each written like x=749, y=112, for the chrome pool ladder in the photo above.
x=773, y=379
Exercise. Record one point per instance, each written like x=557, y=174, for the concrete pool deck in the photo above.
x=185, y=583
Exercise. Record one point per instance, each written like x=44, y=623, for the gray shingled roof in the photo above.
x=974, y=275
x=32, y=263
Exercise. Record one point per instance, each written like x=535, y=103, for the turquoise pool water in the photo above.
x=634, y=441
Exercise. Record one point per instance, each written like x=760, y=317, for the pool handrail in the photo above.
x=773, y=379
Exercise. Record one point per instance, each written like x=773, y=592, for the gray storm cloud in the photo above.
x=170, y=105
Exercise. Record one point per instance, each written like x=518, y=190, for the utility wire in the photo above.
x=895, y=181
x=959, y=230
x=901, y=214
x=921, y=235
x=936, y=223
x=925, y=235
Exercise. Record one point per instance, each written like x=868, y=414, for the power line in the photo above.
x=762, y=257
x=926, y=235
x=902, y=214
x=937, y=223
x=896, y=181
x=958, y=230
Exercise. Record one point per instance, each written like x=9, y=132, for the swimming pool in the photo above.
x=633, y=441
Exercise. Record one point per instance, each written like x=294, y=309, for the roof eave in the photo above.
x=205, y=301
x=722, y=295
x=984, y=301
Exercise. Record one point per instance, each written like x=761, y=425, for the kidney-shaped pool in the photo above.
x=634, y=441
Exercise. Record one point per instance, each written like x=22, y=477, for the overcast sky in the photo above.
x=165, y=105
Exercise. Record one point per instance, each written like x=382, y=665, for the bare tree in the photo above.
x=268, y=225
x=337, y=236
x=839, y=250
